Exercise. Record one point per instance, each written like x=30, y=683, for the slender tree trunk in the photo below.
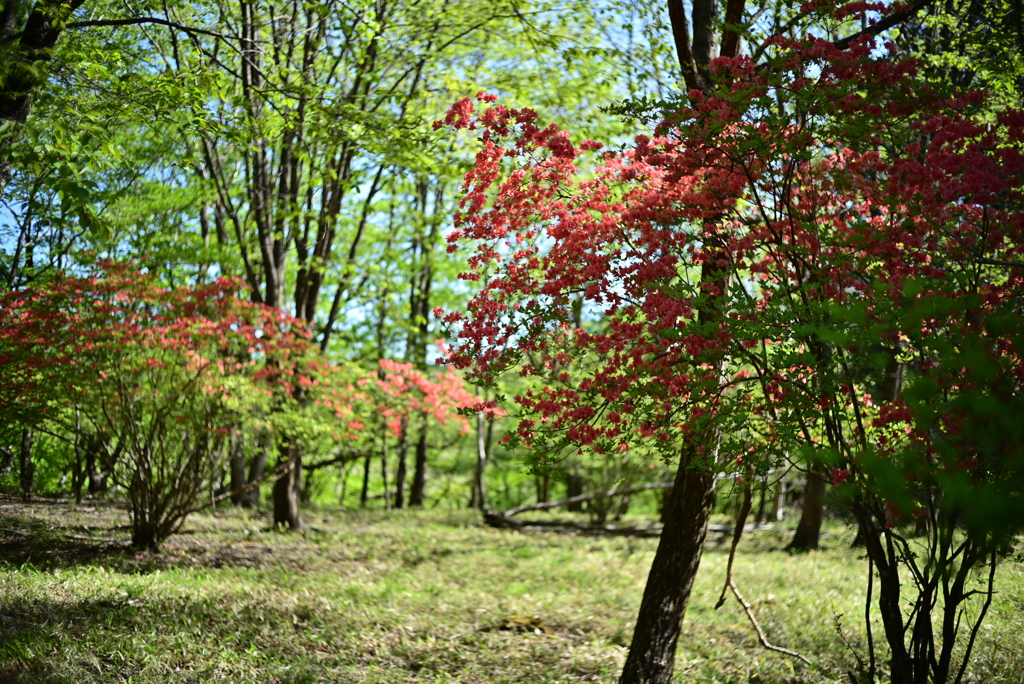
x=419, y=478
x=8, y=462
x=236, y=460
x=479, y=497
x=574, y=487
x=652, y=651
x=287, y=488
x=651, y=656
x=762, y=501
x=364, y=494
x=808, y=529
x=778, y=511
x=77, y=473
x=96, y=475
x=543, y=485
x=251, y=499
x=401, y=468
x=384, y=467
x=27, y=469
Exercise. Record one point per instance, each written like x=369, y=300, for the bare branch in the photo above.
x=757, y=628
x=146, y=20
x=887, y=23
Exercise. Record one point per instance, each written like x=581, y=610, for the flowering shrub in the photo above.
x=159, y=376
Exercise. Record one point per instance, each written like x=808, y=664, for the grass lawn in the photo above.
x=414, y=596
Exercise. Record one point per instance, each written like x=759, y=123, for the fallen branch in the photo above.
x=741, y=519
x=757, y=628
x=495, y=519
x=543, y=505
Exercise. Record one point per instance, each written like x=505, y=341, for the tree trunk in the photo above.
x=652, y=651
x=809, y=528
x=287, y=489
x=574, y=487
x=779, y=501
x=8, y=462
x=543, y=485
x=251, y=499
x=97, y=477
x=763, y=500
x=26, y=49
x=364, y=494
x=26, y=468
x=77, y=473
x=419, y=478
x=144, y=536
x=236, y=459
x=384, y=466
x=401, y=468
x=479, y=497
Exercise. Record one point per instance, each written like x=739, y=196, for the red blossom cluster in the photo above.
x=61, y=341
x=843, y=216
x=406, y=391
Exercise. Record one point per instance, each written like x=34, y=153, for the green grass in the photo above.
x=412, y=597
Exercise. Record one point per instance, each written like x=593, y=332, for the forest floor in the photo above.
x=415, y=597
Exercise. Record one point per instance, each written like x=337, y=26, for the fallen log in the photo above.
x=497, y=520
x=614, y=491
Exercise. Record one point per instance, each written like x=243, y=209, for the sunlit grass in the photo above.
x=375, y=597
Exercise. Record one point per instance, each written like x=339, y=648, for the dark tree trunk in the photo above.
x=77, y=474
x=97, y=476
x=543, y=485
x=652, y=651
x=251, y=498
x=419, y=478
x=401, y=468
x=808, y=530
x=236, y=459
x=364, y=494
x=144, y=536
x=574, y=487
x=26, y=49
x=8, y=462
x=384, y=467
x=26, y=468
x=287, y=489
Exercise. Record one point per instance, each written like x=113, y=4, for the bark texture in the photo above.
x=287, y=489
x=419, y=477
x=808, y=530
x=652, y=652
x=26, y=48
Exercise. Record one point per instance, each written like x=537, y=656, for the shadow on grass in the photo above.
x=127, y=631
x=54, y=535
x=118, y=639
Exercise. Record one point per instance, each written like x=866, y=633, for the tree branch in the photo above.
x=887, y=23
x=145, y=20
x=757, y=628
